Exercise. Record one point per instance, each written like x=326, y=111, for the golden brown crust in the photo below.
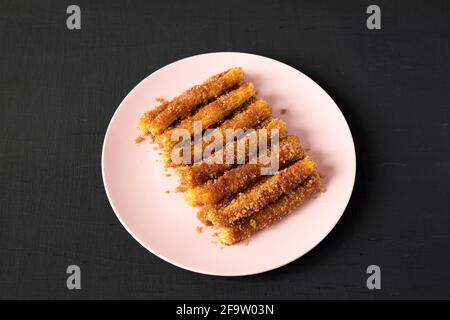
x=250, y=117
x=271, y=213
x=192, y=98
x=201, y=215
x=239, y=199
x=149, y=116
x=267, y=190
x=239, y=178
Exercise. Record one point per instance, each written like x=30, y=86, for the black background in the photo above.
x=59, y=89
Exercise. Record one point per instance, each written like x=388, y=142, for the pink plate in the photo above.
x=165, y=224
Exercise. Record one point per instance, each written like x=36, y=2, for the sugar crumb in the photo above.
x=139, y=139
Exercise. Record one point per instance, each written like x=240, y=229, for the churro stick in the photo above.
x=201, y=172
x=202, y=215
x=239, y=178
x=263, y=193
x=271, y=213
x=267, y=127
x=150, y=115
x=192, y=98
x=250, y=117
x=210, y=114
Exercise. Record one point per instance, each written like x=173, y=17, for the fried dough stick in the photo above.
x=271, y=213
x=192, y=98
x=263, y=193
x=210, y=114
x=250, y=117
x=199, y=173
x=239, y=178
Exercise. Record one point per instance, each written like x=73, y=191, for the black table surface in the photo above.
x=59, y=89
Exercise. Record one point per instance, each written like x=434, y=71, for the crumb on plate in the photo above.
x=139, y=139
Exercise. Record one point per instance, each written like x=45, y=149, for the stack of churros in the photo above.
x=235, y=160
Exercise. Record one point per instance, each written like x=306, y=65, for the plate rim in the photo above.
x=198, y=270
